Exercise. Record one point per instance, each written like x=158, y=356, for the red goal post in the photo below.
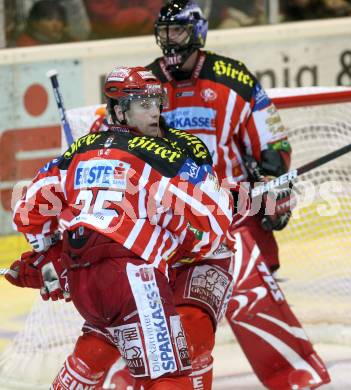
x=313, y=96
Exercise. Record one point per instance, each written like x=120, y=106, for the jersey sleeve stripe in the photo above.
x=142, y=191
x=134, y=234
x=228, y=117
x=160, y=255
x=162, y=185
x=63, y=175
x=151, y=242
x=37, y=186
x=181, y=222
x=198, y=206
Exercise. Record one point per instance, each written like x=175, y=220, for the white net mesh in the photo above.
x=315, y=251
x=316, y=247
x=36, y=354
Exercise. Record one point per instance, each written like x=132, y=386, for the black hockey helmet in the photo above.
x=187, y=15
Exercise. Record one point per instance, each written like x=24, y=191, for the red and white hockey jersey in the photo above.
x=224, y=105
x=142, y=192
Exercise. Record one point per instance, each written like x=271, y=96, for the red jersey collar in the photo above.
x=194, y=76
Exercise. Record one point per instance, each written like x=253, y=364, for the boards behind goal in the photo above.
x=315, y=248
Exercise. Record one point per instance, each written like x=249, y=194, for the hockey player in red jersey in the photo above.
x=220, y=101
x=139, y=203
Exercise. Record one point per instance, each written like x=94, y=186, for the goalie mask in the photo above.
x=125, y=84
x=180, y=30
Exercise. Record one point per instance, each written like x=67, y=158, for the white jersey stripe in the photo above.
x=152, y=242
x=160, y=254
x=181, y=222
x=196, y=205
x=223, y=144
x=167, y=218
x=36, y=186
x=63, y=175
x=134, y=234
x=173, y=246
x=142, y=191
x=228, y=117
x=162, y=185
x=204, y=241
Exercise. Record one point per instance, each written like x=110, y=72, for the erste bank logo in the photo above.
x=102, y=174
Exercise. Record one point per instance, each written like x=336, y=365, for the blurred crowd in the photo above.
x=39, y=22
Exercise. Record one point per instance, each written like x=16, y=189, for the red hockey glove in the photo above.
x=54, y=275
x=55, y=281
x=277, y=206
x=42, y=271
x=24, y=272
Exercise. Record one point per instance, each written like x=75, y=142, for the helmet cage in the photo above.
x=180, y=13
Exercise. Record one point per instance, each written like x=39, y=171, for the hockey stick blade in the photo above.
x=4, y=271
x=52, y=75
x=293, y=174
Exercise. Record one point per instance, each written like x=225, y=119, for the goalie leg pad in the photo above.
x=264, y=239
x=265, y=326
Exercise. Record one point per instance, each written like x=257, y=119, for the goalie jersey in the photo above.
x=223, y=104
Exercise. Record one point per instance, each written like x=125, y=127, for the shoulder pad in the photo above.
x=193, y=145
x=229, y=72
x=81, y=144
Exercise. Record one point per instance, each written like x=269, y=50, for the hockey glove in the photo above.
x=55, y=281
x=277, y=206
x=24, y=272
x=41, y=271
x=54, y=275
x=278, y=203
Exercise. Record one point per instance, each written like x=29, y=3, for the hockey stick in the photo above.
x=4, y=271
x=291, y=175
x=52, y=75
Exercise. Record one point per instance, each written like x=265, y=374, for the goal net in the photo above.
x=315, y=248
